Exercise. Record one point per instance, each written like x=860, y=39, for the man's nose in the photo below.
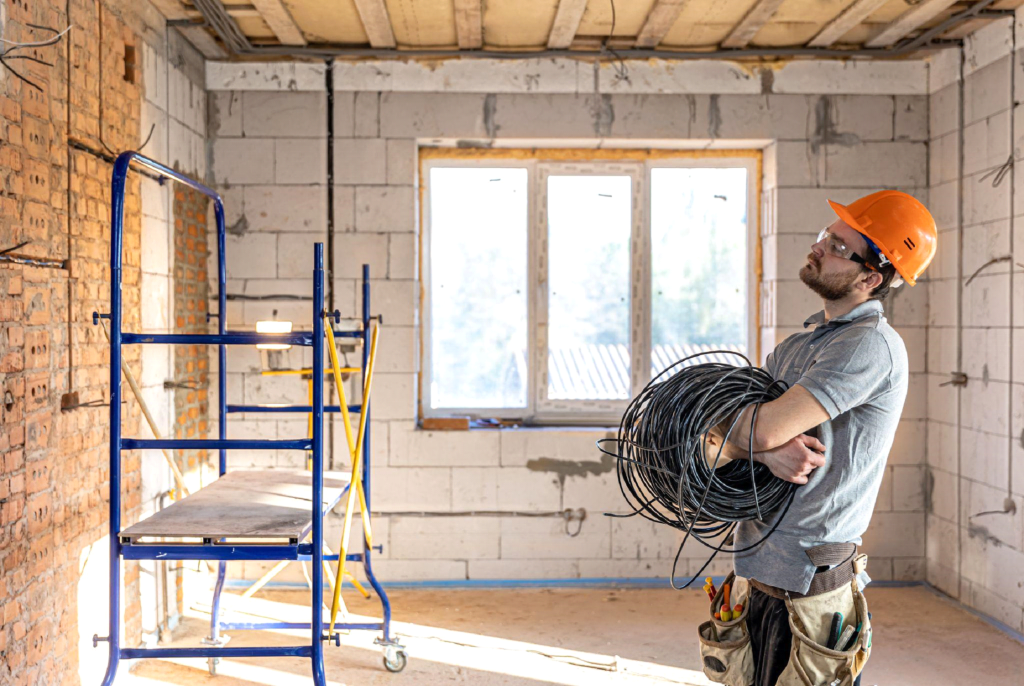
x=819, y=248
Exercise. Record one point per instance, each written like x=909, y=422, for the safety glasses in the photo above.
x=834, y=245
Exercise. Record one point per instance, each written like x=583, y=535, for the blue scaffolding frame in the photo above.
x=217, y=549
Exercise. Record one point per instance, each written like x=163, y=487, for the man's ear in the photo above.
x=872, y=280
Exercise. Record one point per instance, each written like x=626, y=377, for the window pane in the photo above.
x=698, y=262
x=478, y=229
x=589, y=223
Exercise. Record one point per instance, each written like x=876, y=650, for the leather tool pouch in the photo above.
x=811, y=663
x=725, y=646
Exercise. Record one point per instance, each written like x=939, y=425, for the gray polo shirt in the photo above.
x=856, y=366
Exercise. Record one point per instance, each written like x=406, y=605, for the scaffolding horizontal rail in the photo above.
x=235, y=338
x=289, y=409
x=214, y=444
x=227, y=552
x=164, y=653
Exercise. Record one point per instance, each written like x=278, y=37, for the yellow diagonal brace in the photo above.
x=355, y=483
x=356, y=464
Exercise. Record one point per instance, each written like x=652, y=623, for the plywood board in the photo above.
x=518, y=23
x=629, y=17
x=336, y=22
x=423, y=23
x=267, y=503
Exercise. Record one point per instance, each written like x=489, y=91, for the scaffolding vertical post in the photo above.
x=116, y=244
x=222, y=401
x=367, y=551
x=316, y=624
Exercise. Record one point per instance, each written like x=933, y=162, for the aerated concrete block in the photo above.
x=416, y=447
x=268, y=114
x=426, y=115
x=475, y=488
x=464, y=538
x=987, y=91
x=285, y=208
x=911, y=118
x=242, y=161
x=524, y=569
x=300, y=161
x=538, y=538
x=405, y=489
x=874, y=164
x=402, y=160
x=892, y=534
x=385, y=209
x=224, y=114
x=360, y=161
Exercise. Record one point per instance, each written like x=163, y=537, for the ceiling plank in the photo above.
x=469, y=24
x=749, y=25
x=847, y=19
x=908, y=21
x=567, y=21
x=660, y=19
x=280, y=21
x=376, y=23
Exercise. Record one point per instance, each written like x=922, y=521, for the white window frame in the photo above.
x=539, y=409
x=588, y=411
x=497, y=412
x=753, y=239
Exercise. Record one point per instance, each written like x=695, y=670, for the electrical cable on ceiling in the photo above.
x=668, y=475
x=621, y=70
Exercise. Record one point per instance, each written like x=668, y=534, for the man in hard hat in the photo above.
x=830, y=432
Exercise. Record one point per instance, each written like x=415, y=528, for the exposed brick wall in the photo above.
x=53, y=464
x=191, y=292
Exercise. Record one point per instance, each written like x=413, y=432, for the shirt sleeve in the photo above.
x=769, y=364
x=851, y=370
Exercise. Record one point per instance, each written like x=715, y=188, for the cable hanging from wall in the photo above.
x=7, y=54
x=668, y=458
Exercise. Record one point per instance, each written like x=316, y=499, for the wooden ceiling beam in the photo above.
x=567, y=21
x=751, y=23
x=659, y=20
x=280, y=21
x=376, y=23
x=846, y=20
x=907, y=22
x=469, y=24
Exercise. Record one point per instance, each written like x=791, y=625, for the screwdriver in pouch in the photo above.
x=834, y=631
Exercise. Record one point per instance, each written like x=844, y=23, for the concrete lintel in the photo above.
x=987, y=44
x=565, y=75
x=264, y=76
x=853, y=78
x=943, y=70
x=688, y=144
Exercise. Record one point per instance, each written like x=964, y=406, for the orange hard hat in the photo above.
x=899, y=225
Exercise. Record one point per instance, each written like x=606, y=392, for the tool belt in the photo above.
x=848, y=564
x=726, y=654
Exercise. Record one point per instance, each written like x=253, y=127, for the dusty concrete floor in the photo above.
x=585, y=637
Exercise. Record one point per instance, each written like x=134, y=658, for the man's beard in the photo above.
x=831, y=287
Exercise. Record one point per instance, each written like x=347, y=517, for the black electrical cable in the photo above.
x=665, y=471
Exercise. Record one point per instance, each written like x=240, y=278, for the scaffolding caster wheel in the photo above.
x=395, y=659
x=212, y=664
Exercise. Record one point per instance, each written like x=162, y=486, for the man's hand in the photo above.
x=794, y=460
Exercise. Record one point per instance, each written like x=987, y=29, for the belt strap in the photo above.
x=847, y=565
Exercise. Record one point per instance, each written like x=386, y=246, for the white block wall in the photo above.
x=976, y=433
x=827, y=130
x=173, y=128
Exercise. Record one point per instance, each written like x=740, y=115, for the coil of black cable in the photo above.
x=668, y=474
